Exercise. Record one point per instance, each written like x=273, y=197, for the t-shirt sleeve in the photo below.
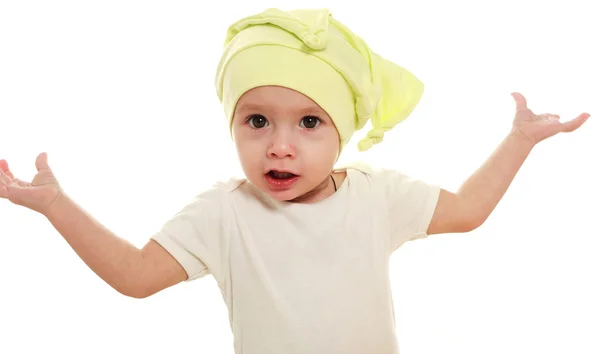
x=194, y=235
x=410, y=205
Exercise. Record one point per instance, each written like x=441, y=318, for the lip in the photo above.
x=278, y=184
x=280, y=171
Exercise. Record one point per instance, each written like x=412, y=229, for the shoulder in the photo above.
x=214, y=196
x=236, y=191
x=223, y=188
x=387, y=183
x=226, y=187
x=362, y=171
x=357, y=170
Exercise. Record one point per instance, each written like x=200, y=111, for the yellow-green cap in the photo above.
x=311, y=52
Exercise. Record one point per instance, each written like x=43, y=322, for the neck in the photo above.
x=323, y=188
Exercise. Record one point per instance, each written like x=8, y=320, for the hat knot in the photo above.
x=315, y=38
x=375, y=136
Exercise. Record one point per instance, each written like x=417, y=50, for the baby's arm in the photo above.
x=480, y=194
x=129, y=270
x=477, y=198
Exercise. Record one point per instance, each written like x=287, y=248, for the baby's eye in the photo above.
x=310, y=122
x=257, y=121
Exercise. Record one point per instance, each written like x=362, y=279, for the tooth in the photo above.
x=277, y=174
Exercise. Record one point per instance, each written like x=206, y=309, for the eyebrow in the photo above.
x=257, y=107
x=249, y=107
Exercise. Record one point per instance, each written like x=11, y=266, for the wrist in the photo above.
x=521, y=139
x=56, y=205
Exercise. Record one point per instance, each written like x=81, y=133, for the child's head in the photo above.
x=280, y=129
x=295, y=87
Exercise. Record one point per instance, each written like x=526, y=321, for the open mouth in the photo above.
x=280, y=175
x=280, y=180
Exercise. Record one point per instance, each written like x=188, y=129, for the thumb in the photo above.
x=41, y=162
x=520, y=101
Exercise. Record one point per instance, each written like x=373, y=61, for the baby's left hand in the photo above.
x=535, y=128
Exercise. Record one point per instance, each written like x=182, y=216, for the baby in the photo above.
x=299, y=249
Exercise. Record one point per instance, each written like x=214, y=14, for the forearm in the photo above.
x=486, y=187
x=113, y=259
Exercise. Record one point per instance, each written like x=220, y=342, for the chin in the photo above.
x=282, y=195
x=283, y=199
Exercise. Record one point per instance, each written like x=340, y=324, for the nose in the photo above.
x=281, y=146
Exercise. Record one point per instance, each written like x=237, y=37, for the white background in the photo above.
x=120, y=94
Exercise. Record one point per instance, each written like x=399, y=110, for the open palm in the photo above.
x=39, y=194
x=537, y=127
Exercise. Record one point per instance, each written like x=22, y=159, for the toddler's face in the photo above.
x=286, y=143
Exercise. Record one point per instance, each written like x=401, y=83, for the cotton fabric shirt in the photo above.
x=304, y=278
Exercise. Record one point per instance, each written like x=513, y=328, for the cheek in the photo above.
x=249, y=153
x=331, y=145
x=324, y=153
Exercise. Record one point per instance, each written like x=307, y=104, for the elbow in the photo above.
x=139, y=292
x=462, y=227
x=136, y=295
x=136, y=283
x=470, y=227
x=473, y=223
x=133, y=290
x=129, y=292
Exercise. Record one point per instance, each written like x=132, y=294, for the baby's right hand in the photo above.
x=39, y=194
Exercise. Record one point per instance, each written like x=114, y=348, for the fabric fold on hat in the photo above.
x=362, y=86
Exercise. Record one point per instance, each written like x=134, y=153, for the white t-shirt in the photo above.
x=304, y=278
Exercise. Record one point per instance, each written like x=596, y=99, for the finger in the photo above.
x=22, y=184
x=574, y=124
x=7, y=185
x=4, y=178
x=41, y=162
x=520, y=101
x=4, y=167
x=550, y=118
x=7, y=179
x=14, y=192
